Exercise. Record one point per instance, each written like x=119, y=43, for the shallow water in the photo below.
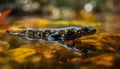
x=17, y=53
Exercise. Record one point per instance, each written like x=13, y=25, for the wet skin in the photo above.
x=59, y=35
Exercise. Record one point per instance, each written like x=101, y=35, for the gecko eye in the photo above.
x=85, y=29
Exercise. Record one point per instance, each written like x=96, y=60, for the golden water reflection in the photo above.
x=17, y=53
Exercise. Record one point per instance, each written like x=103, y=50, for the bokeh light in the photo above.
x=88, y=7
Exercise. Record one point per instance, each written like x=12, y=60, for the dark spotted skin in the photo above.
x=72, y=33
x=36, y=34
x=57, y=35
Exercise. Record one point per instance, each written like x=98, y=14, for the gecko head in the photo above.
x=87, y=30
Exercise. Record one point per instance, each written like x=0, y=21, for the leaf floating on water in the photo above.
x=3, y=46
x=104, y=59
x=19, y=54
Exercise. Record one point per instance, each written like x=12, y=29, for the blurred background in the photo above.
x=17, y=53
x=65, y=11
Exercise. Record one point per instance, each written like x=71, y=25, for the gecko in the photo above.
x=57, y=35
